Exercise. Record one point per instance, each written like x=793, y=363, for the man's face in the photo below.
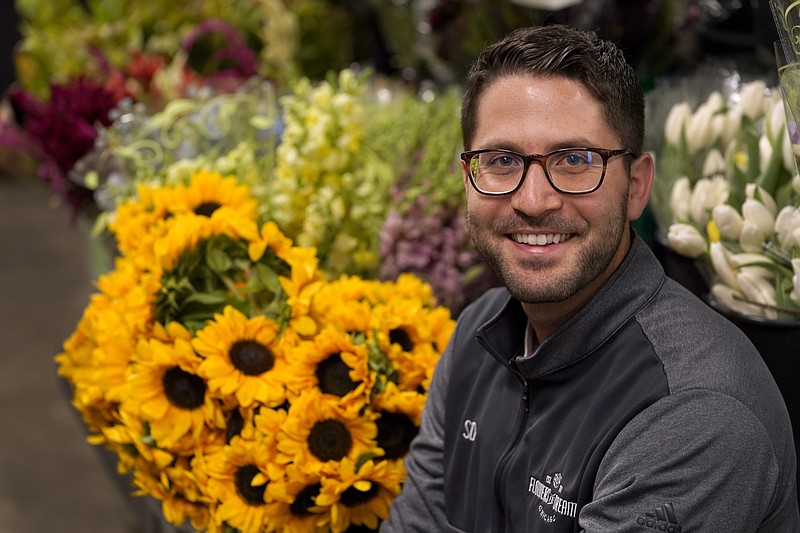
x=537, y=115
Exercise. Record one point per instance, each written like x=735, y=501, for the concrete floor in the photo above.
x=51, y=480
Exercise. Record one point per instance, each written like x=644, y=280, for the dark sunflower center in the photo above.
x=235, y=425
x=353, y=497
x=253, y=495
x=333, y=376
x=395, y=433
x=206, y=209
x=329, y=440
x=251, y=358
x=183, y=389
x=401, y=337
x=304, y=501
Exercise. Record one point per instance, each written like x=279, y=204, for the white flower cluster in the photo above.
x=735, y=200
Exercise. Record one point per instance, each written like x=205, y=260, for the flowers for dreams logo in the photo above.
x=552, y=504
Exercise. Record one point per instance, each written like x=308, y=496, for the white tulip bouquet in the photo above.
x=733, y=196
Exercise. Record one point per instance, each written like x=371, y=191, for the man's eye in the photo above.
x=576, y=159
x=504, y=161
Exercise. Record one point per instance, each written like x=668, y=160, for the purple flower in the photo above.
x=65, y=130
x=434, y=244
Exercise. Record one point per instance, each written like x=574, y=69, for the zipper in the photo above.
x=502, y=465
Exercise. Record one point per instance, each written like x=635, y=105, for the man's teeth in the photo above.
x=540, y=239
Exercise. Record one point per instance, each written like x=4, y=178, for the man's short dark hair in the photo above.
x=562, y=51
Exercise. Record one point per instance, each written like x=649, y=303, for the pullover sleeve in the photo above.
x=693, y=461
x=420, y=505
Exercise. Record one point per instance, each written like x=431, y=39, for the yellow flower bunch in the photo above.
x=234, y=383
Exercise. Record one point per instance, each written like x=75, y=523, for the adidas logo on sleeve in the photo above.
x=662, y=518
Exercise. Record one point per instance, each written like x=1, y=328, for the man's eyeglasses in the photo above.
x=569, y=170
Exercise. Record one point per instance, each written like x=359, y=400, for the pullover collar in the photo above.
x=629, y=288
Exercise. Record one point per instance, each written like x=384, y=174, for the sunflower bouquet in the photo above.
x=234, y=382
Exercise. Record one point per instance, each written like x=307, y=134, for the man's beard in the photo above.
x=593, y=260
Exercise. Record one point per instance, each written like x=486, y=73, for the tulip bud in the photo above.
x=752, y=99
x=686, y=240
x=787, y=154
x=714, y=163
x=756, y=192
x=760, y=291
x=679, y=198
x=728, y=220
x=754, y=263
x=699, y=133
x=721, y=261
x=733, y=300
x=786, y=222
x=706, y=194
x=751, y=237
x=677, y=121
x=757, y=213
x=764, y=152
x=775, y=119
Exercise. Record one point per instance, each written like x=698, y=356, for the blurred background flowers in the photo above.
x=340, y=120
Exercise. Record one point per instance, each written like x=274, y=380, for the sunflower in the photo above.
x=166, y=391
x=332, y=363
x=209, y=191
x=360, y=495
x=399, y=418
x=319, y=432
x=237, y=480
x=209, y=205
x=243, y=357
x=410, y=333
x=139, y=222
x=297, y=510
x=345, y=303
x=177, y=488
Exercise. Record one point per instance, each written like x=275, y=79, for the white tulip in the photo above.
x=714, y=163
x=734, y=300
x=733, y=123
x=707, y=193
x=764, y=152
x=796, y=279
x=677, y=121
x=728, y=221
x=759, y=214
x=752, y=99
x=754, y=263
x=751, y=237
x=776, y=119
x=756, y=192
x=787, y=154
x=686, y=240
x=679, y=198
x=759, y=290
x=796, y=183
x=722, y=264
x=786, y=222
x=699, y=133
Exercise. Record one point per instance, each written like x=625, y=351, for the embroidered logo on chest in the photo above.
x=552, y=504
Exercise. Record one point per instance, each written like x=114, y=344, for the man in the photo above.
x=591, y=393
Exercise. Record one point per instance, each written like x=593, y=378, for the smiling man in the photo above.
x=591, y=393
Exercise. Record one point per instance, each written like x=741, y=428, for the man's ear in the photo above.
x=642, y=174
x=465, y=176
